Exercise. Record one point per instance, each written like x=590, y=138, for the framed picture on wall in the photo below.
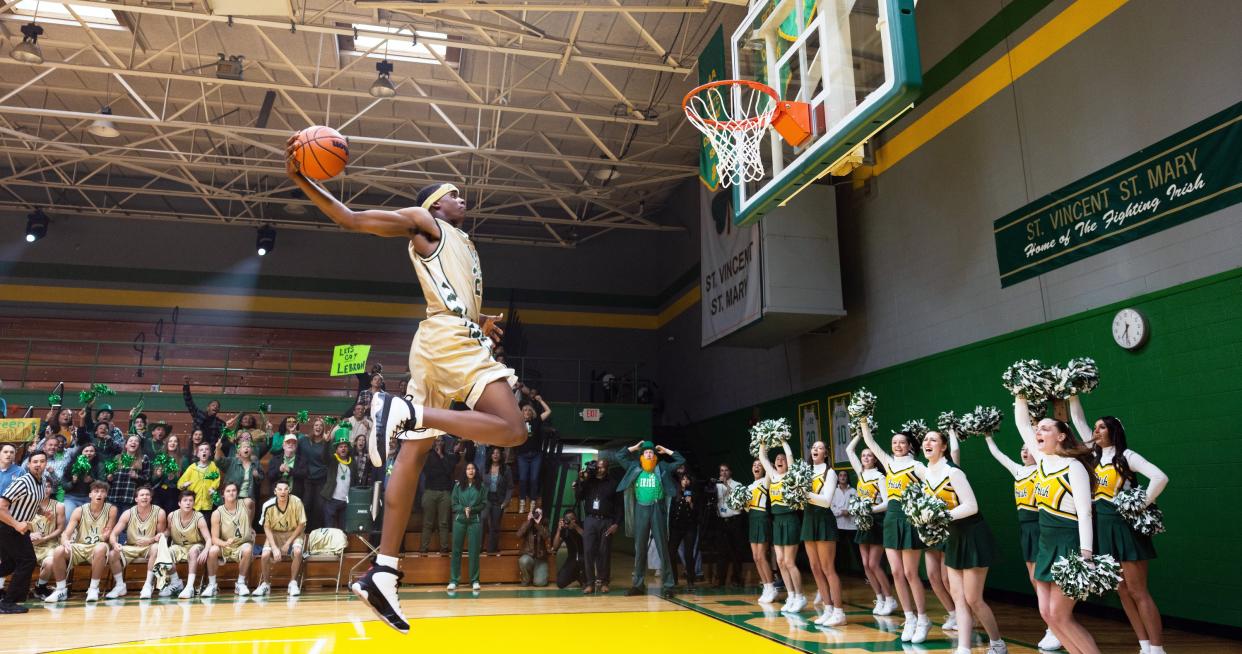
x=808, y=427
x=838, y=430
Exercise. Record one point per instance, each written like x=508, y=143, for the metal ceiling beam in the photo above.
x=588, y=7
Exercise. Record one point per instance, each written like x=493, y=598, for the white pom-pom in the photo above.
x=982, y=420
x=948, y=421
x=1080, y=578
x=1028, y=378
x=928, y=513
x=916, y=428
x=770, y=433
x=796, y=484
x=1077, y=376
x=738, y=498
x=1132, y=504
x=862, y=403
x=859, y=508
x=856, y=429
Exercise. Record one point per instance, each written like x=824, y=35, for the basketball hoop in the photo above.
x=734, y=129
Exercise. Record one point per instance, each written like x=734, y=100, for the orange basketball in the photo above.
x=321, y=152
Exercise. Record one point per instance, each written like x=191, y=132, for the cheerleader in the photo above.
x=1115, y=468
x=933, y=557
x=1063, y=491
x=786, y=529
x=901, y=540
x=819, y=535
x=1028, y=517
x=871, y=541
x=759, y=530
x=969, y=549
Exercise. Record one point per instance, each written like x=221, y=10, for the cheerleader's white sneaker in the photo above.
x=890, y=605
x=836, y=618
x=921, y=628
x=907, y=631
x=950, y=622
x=879, y=606
x=1049, y=642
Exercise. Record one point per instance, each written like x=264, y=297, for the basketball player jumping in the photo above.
x=450, y=359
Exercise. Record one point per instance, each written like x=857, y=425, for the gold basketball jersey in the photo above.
x=138, y=528
x=182, y=534
x=90, y=526
x=451, y=277
x=235, y=524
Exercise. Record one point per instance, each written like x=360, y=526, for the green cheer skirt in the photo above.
x=1057, y=537
x=872, y=536
x=970, y=544
x=818, y=523
x=1115, y=536
x=1028, y=534
x=786, y=529
x=899, y=534
x=759, y=526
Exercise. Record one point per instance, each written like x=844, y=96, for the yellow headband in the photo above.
x=444, y=190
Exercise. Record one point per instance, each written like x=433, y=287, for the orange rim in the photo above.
x=732, y=125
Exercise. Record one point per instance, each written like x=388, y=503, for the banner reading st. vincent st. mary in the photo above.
x=1190, y=174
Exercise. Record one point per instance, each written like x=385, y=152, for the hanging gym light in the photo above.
x=383, y=88
x=266, y=240
x=103, y=127
x=36, y=225
x=28, y=51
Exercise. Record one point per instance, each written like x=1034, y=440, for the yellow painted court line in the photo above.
x=1018, y=61
x=297, y=306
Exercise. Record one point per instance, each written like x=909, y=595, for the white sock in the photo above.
x=388, y=561
x=1157, y=649
x=60, y=585
x=119, y=577
x=923, y=618
x=241, y=581
x=879, y=598
x=998, y=641
x=1144, y=646
x=952, y=614
x=190, y=581
x=150, y=575
x=910, y=616
x=94, y=584
x=211, y=579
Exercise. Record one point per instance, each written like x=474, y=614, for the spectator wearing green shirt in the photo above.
x=469, y=503
x=652, y=481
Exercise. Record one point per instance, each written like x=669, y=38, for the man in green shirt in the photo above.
x=653, y=485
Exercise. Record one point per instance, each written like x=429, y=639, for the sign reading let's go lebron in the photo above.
x=1188, y=175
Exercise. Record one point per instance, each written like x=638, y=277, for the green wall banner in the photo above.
x=711, y=68
x=1193, y=173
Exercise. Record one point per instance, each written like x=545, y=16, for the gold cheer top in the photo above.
x=776, y=492
x=1108, y=482
x=1053, y=494
x=185, y=535
x=869, y=483
x=898, y=480
x=1024, y=492
x=758, y=497
x=944, y=492
x=90, y=526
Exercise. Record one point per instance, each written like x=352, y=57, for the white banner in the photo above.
x=729, y=275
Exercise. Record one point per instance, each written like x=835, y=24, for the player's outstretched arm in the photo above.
x=406, y=223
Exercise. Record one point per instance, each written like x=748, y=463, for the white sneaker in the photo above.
x=241, y=590
x=262, y=589
x=173, y=587
x=789, y=602
x=817, y=599
x=92, y=595
x=879, y=606
x=475, y=586
x=836, y=618
x=186, y=593
x=451, y=587
x=921, y=628
x=768, y=594
x=210, y=591
x=907, y=631
x=294, y=590
x=57, y=595
x=1049, y=642
x=998, y=648
x=118, y=590
x=950, y=623
x=146, y=591
x=890, y=605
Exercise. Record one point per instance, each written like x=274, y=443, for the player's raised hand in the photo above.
x=291, y=160
x=491, y=327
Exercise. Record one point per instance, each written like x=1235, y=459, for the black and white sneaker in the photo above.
x=390, y=416
x=378, y=588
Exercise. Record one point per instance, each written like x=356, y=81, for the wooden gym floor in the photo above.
x=511, y=618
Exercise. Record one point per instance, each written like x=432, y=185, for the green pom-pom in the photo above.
x=229, y=433
x=216, y=499
x=983, y=420
x=738, y=498
x=331, y=421
x=948, y=421
x=1028, y=378
x=1037, y=408
x=859, y=508
x=54, y=399
x=110, y=466
x=81, y=466
x=916, y=428
x=796, y=484
x=211, y=475
x=770, y=433
x=1077, y=376
x=303, y=415
x=127, y=460
x=856, y=428
x=170, y=466
x=86, y=397
x=928, y=513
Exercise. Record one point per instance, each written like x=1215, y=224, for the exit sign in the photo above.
x=591, y=415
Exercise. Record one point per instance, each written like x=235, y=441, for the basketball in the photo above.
x=322, y=152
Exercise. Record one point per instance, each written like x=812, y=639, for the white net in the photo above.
x=733, y=128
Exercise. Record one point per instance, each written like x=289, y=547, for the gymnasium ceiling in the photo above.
x=562, y=118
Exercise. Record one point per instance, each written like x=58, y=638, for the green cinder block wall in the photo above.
x=1179, y=396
